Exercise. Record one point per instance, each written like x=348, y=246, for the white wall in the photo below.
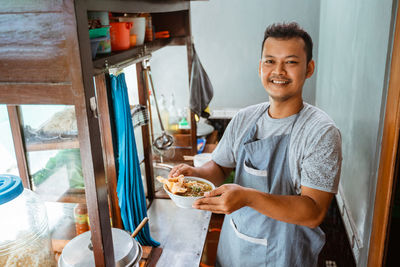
x=351, y=88
x=228, y=35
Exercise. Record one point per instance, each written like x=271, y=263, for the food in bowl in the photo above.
x=185, y=187
x=185, y=190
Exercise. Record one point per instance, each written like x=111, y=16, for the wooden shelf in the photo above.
x=73, y=196
x=53, y=145
x=136, y=53
x=136, y=6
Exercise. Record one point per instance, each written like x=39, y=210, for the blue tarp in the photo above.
x=132, y=200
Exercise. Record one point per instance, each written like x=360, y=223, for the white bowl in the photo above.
x=186, y=202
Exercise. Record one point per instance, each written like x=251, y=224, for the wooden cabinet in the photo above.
x=45, y=59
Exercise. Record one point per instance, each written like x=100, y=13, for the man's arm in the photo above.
x=210, y=171
x=307, y=209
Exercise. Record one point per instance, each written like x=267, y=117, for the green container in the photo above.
x=98, y=32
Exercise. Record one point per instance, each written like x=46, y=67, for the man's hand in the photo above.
x=210, y=171
x=307, y=209
x=224, y=199
x=182, y=169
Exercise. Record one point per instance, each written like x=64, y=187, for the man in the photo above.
x=287, y=156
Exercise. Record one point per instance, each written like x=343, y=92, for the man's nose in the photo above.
x=279, y=69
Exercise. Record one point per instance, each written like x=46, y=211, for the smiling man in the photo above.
x=287, y=158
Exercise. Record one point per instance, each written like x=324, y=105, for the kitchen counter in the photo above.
x=181, y=232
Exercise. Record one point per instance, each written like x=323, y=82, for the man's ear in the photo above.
x=259, y=68
x=310, y=69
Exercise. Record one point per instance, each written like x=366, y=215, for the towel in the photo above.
x=201, y=89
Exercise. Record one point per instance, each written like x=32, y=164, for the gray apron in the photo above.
x=249, y=238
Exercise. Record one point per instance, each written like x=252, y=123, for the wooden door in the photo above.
x=386, y=172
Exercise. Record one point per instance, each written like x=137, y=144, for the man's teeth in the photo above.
x=280, y=82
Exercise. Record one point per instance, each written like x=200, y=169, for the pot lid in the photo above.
x=78, y=252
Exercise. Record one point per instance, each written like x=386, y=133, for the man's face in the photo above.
x=283, y=68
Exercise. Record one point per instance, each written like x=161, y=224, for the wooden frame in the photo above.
x=13, y=114
x=390, y=138
x=63, y=74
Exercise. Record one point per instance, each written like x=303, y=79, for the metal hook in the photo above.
x=106, y=64
x=93, y=106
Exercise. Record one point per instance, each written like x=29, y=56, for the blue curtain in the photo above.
x=132, y=200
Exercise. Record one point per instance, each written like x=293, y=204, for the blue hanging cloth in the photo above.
x=132, y=200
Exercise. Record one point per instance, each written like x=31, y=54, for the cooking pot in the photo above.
x=78, y=252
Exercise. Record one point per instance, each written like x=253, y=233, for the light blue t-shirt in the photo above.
x=315, y=153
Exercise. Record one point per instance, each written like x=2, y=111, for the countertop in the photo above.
x=181, y=232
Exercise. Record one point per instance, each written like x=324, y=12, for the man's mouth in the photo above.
x=279, y=81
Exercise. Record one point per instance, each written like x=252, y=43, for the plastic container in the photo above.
x=120, y=35
x=183, y=126
x=94, y=45
x=132, y=40
x=24, y=232
x=100, y=15
x=104, y=46
x=98, y=32
x=138, y=27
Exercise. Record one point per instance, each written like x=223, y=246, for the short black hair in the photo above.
x=287, y=31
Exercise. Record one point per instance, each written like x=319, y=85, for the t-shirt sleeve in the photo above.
x=224, y=154
x=322, y=161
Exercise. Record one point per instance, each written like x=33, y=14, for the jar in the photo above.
x=24, y=233
x=81, y=218
x=149, y=28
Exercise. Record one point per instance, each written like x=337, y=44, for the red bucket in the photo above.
x=119, y=32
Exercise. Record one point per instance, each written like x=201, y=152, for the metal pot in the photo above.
x=78, y=252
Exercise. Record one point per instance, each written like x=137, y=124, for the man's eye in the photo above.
x=291, y=62
x=268, y=61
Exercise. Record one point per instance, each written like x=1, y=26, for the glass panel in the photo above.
x=56, y=175
x=53, y=155
x=8, y=162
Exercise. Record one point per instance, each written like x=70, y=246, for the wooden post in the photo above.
x=91, y=150
x=107, y=141
x=19, y=146
x=189, y=47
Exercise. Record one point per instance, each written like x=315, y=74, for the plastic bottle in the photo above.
x=184, y=127
x=163, y=111
x=154, y=120
x=173, y=116
x=81, y=218
x=24, y=232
